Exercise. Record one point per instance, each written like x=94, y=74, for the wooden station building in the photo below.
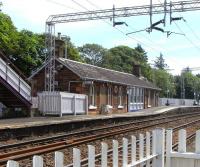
x=117, y=91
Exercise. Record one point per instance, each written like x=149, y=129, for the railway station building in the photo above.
x=117, y=91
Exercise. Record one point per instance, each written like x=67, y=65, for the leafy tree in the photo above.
x=8, y=35
x=165, y=81
x=121, y=58
x=92, y=53
x=30, y=53
x=192, y=85
x=25, y=48
x=160, y=62
x=143, y=59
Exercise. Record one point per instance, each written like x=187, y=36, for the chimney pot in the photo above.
x=137, y=70
x=59, y=35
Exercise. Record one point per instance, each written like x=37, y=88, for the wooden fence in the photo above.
x=149, y=153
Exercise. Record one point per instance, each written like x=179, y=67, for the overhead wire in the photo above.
x=61, y=4
x=130, y=27
x=116, y=27
x=191, y=29
x=198, y=48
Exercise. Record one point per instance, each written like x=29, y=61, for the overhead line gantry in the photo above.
x=180, y=6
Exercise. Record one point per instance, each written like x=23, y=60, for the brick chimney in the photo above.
x=137, y=70
x=59, y=46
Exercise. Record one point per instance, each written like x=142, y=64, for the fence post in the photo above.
x=182, y=141
x=197, y=144
x=115, y=153
x=86, y=104
x=125, y=152
x=104, y=152
x=59, y=159
x=76, y=158
x=159, y=147
x=168, y=147
x=148, y=147
x=74, y=99
x=141, y=146
x=37, y=161
x=133, y=149
x=12, y=163
x=91, y=156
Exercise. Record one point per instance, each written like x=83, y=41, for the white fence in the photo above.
x=59, y=103
x=182, y=158
x=148, y=153
x=13, y=79
x=176, y=102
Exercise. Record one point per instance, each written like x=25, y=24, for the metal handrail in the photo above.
x=25, y=91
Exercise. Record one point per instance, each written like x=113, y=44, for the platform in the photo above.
x=46, y=121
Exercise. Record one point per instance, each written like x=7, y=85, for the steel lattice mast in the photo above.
x=180, y=6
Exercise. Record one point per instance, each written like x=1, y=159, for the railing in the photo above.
x=182, y=157
x=148, y=153
x=14, y=80
x=154, y=153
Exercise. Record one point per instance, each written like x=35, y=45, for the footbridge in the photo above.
x=15, y=92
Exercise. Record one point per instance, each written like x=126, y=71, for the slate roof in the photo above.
x=90, y=72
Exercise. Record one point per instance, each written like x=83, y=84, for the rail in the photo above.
x=28, y=152
x=14, y=80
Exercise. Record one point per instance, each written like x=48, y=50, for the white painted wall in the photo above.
x=176, y=102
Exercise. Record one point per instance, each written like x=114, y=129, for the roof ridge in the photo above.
x=64, y=59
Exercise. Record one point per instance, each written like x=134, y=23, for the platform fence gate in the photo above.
x=149, y=154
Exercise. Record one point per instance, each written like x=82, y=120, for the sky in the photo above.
x=179, y=51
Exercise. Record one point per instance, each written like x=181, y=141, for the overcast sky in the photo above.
x=179, y=51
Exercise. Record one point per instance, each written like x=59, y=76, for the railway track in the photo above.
x=84, y=162
x=28, y=152
x=83, y=132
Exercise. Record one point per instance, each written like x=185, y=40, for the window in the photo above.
x=92, y=96
x=132, y=95
x=142, y=95
x=120, y=95
x=110, y=96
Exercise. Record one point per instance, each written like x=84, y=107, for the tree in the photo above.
x=121, y=58
x=165, y=81
x=92, y=53
x=31, y=51
x=143, y=59
x=160, y=62
x=8, y=35
x=25, y=48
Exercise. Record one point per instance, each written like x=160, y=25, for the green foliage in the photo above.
x=8, y=34
x=121, y=58
x=192, y=85
x=160, y=62
x=25, y=48
x=30, y=53
x=92, y=54
x=165, y=81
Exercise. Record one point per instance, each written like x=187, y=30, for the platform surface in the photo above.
x=42, y=121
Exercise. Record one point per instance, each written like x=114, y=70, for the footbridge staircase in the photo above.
x=15, y=92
